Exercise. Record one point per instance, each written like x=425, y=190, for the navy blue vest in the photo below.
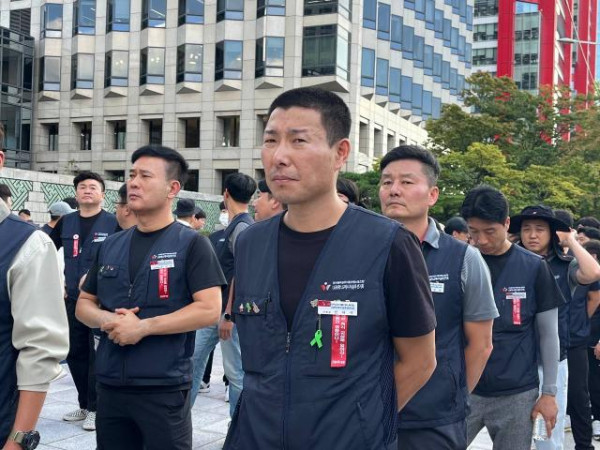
x=443, y=399
x=225, y=255
x=512, y=367
x=155, y=360
x=293, y=399
x=78, y=265
x=560, y=269
x=13, y=234
x=579, y=322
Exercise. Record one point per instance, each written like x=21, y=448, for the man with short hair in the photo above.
x=125, y=216
x=506, y=399
x=463, y=299
x=265, y=205
x=148, y=306
x=56, y=211
x=185, y=210
x=584, y=234
x=320, y=319
x=80, y=234
x=457, y=228
x=543, y=234
x=199, y=219
x=239, y=189
x=6, y=195
x=25, y=214
x=33, y=326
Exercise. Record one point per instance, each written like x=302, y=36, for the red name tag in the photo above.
x=516, y=312
x=339, y=341
x=75, y=246
x=163, y=283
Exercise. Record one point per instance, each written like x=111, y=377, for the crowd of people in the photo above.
x=339, y=328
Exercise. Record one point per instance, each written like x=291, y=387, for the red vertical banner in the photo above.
x=163, y=283
x=339, y=341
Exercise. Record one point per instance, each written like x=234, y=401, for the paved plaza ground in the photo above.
x=210, y=416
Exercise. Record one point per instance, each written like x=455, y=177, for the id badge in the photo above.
x=163, y=283
x=516, y=311
x=339, y=341
x=75, y=245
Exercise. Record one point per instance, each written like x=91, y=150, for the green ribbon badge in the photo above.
x=317, y=340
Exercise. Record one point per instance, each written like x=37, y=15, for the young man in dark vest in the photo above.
x=148, y=290
x=239, y=189
x=506, y=400
x=80, y=234
x=543, y=234
x=325, y=295
x=463, y=298
x=33, y=326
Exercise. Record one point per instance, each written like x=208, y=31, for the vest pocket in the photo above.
x=251, y=319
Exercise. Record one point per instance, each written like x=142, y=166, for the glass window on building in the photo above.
x=447, y=33
x=408, y=37
x=437, y=65
x=84, y=17
x=269, y=57
x=228, y=60
x=317, y=7
x=52, y=20
x=189, y=62
x=82, y=71
x=427, y=103
x=52, y=131
x=485, y=32
x=12, y=70
x=395, y=84
x=154, y=13
x=230, y=10
x=446, y=73
x=396, y=35
x=367, y=77
x=436, y=107
x=419, y=50
x=271, y=8
x=84, y=131
x=430, y=13
x=486, y=8
x=325, y=51
x=191, y=131
x=154, y=128
x=383, y=22
x=370, y=14
x=230, y=130
x=428, y=59
x=382, y=74
x=438, y=24
x=191, y=11
x=417, y=96
x=49, y=73
x=484, y=56
x=117, y=12
x=118, y=129
x=152, y=65
x=116, y=68
x=406, y=89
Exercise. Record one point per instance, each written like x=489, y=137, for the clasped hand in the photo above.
x=124, y=327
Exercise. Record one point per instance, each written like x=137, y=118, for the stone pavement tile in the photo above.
x=52, y=431
x=214, y=404
x=86, y=440
x=202, y=419
x=218, y=445
x=66, y=395
x=202, y=438
x=55, y=410
x=218, y=427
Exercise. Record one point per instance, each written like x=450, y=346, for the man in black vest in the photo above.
x=80, y=234
x=239, y=189
x=543, y=234
x=506, y=399
x=325, y=294
x=33, y=326
x=148, y=304
x=463, y=298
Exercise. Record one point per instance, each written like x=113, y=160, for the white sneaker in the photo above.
x=75, y=416
x=567, y=423
x=596, y=429
x=204, y=388
x=90, y=422
x=227, y=394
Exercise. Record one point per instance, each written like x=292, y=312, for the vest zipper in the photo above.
x=288, y=343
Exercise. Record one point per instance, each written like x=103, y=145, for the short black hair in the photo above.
x=222, y=206
x=200, y=214
x=593, y=247
x=241, y=187
x=564, y=216
x=5, y=193
x=485, y=203
x=588, y=221
x=177, y=166
x=88, y=175
x=348, y=188
x=71, y=202
x=335, y=115
x=123, y=194
x=590, y=232
x=457, y=224
x=431, y=167
x=25, y=211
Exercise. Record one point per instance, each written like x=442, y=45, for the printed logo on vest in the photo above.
x=99, y=236
x=345, y=285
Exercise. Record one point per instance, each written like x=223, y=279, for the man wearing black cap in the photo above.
x=543, y=234
x=265, y=205
x=186, y=208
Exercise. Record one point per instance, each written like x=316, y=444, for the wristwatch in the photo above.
x=26, y=439
x=227, y=317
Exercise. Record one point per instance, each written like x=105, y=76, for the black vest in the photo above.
x=79, y=256
x=225, y=255
x=293, y=398
x=560, y=270
x=443, y=399
x=47, y=228
x=155, y=360
x=13, y=234
x=512, y=367
x=579, y=322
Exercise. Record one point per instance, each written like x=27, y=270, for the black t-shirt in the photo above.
x=85, y=229
x=202, y=266
x=406, y=282
x=547, y=293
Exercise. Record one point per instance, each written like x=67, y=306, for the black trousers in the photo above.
x=594, y=383
x=143, y=420
x=445, y=437
x=578, y=398
x=208, y=370
x=81, y=358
